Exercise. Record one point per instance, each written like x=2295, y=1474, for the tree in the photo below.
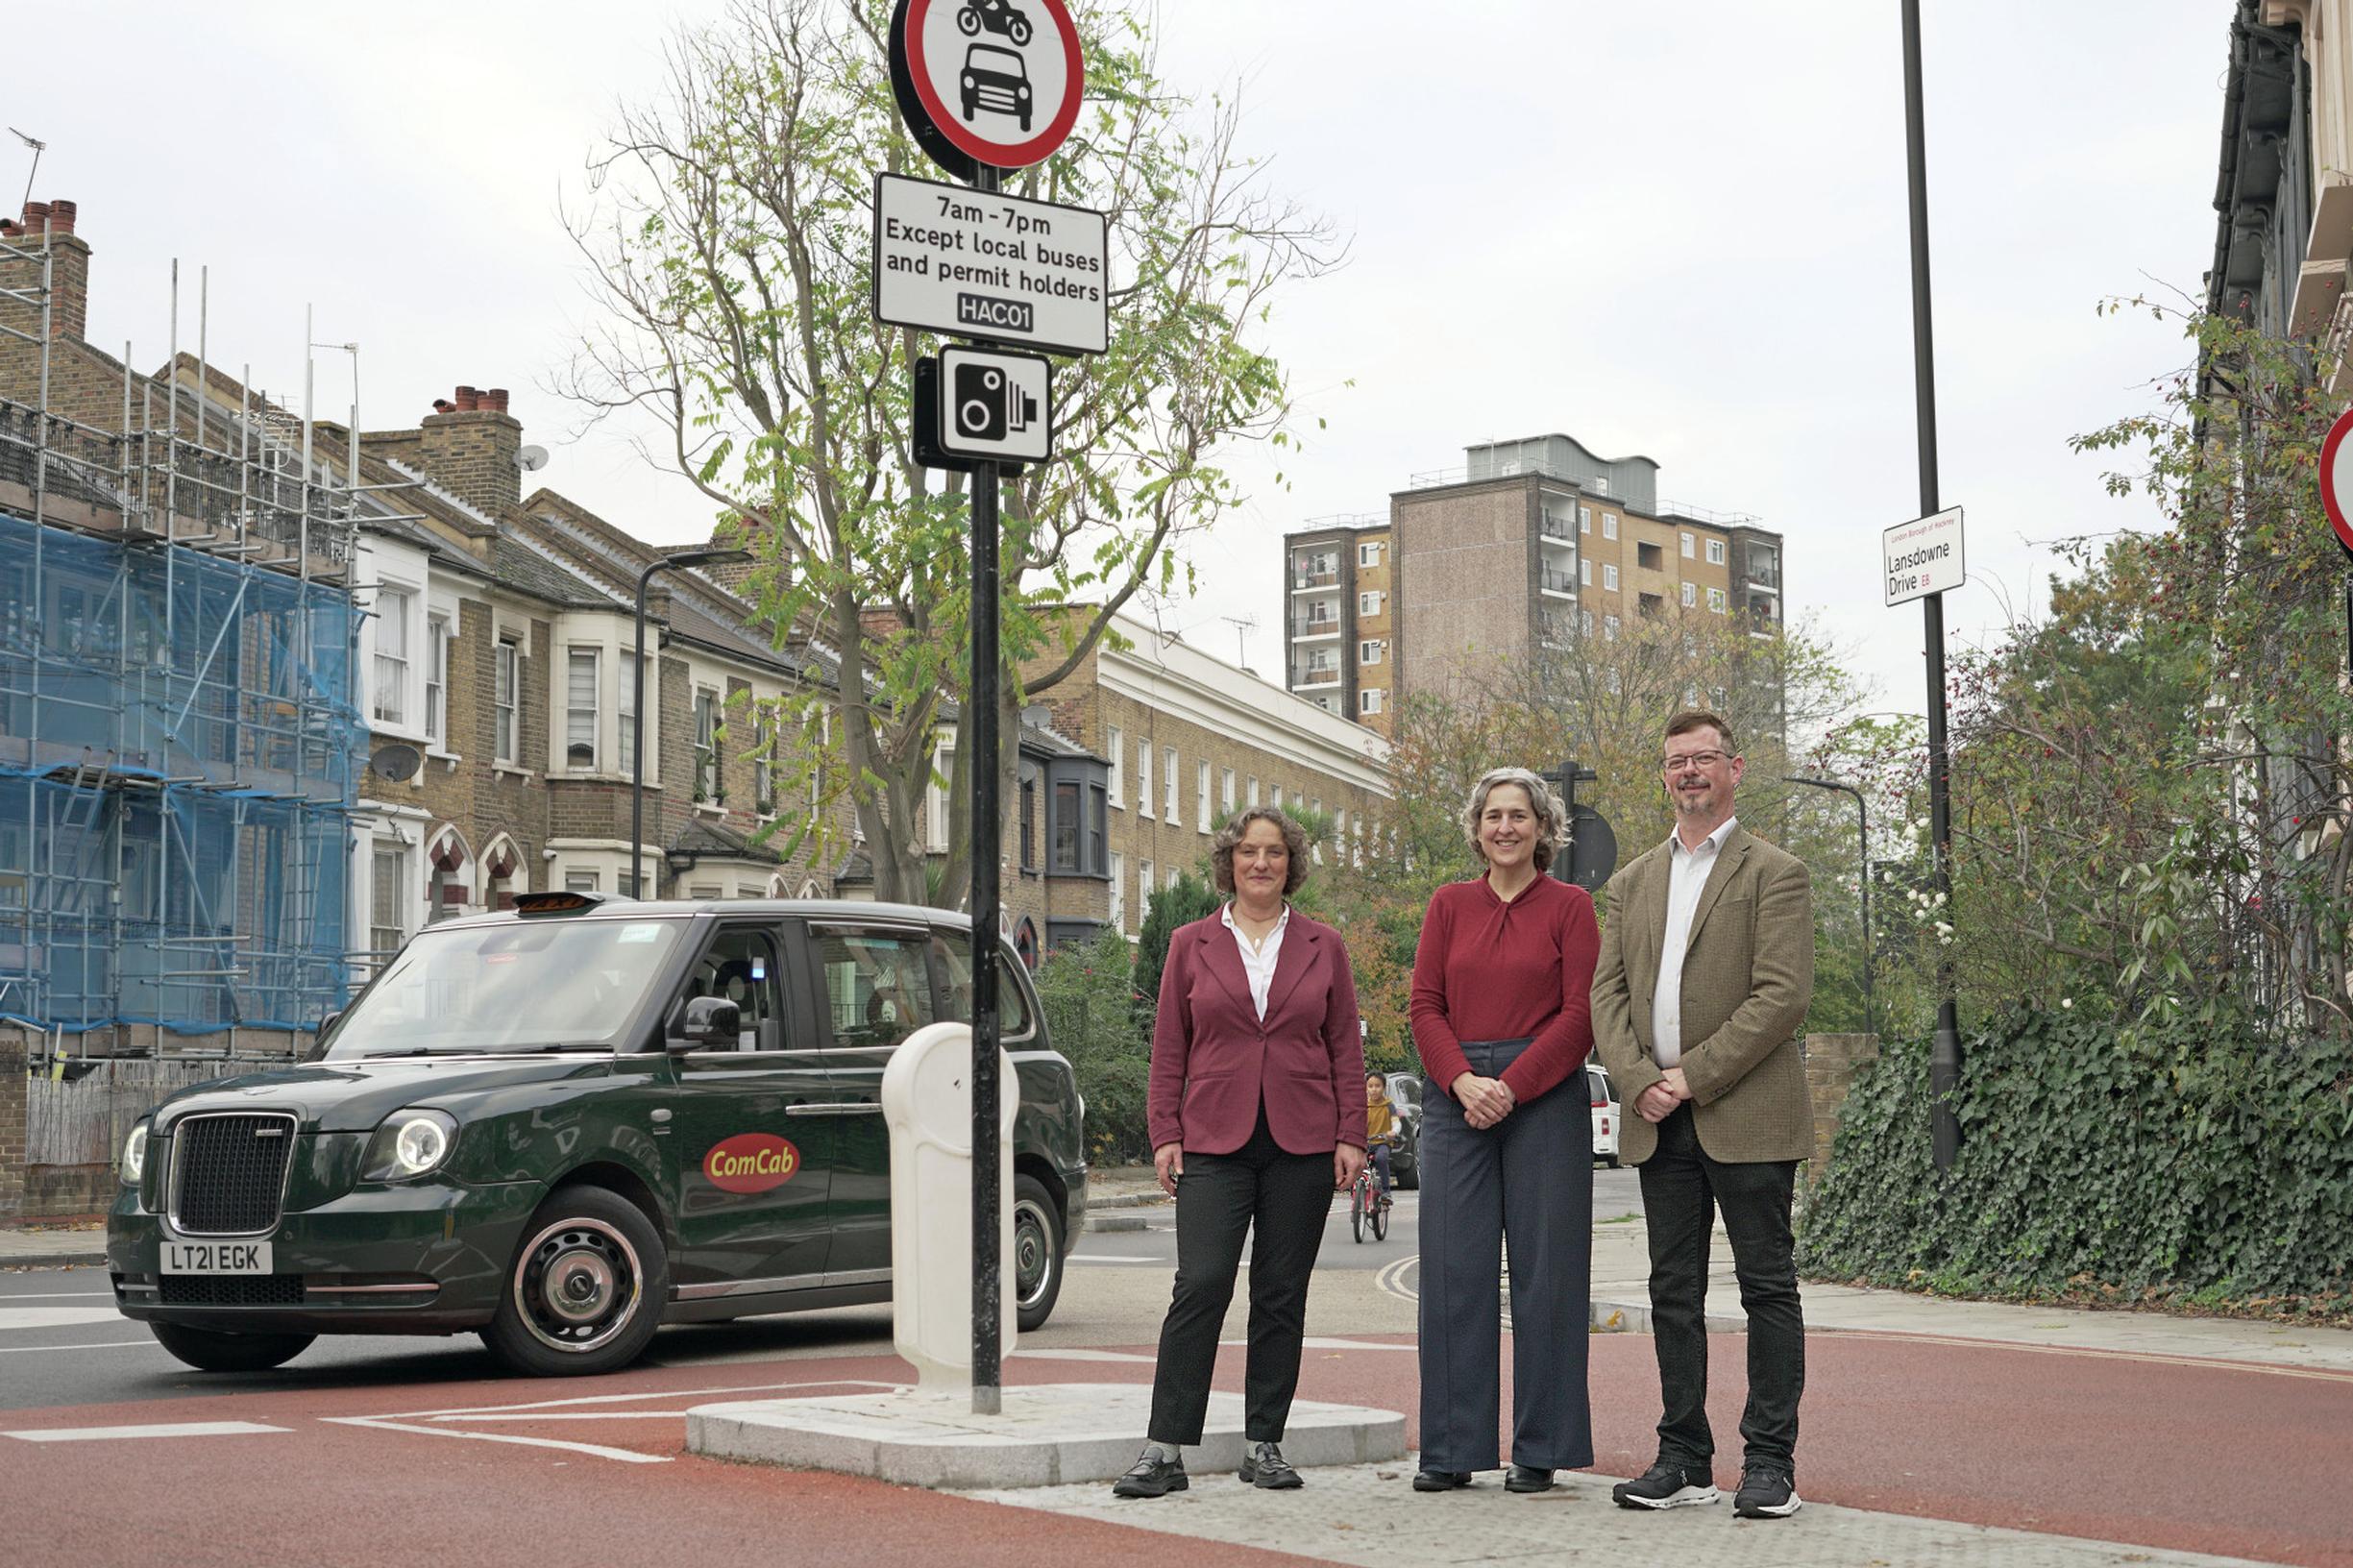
x=729, y=237
x=1183, y=902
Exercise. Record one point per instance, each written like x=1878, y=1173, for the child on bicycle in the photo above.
x=1380, y=1127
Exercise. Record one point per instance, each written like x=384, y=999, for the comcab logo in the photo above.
x=751, y=1162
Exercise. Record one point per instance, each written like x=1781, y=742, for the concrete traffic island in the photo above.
x=1049, y=1434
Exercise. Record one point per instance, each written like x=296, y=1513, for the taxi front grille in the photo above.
x=228, y=1173
x=231, y=1290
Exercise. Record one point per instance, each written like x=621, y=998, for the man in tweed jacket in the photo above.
x=1706, y=966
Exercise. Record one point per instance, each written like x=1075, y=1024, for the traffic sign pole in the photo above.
x=987, y=847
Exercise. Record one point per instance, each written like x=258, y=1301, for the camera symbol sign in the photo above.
x=996, y=404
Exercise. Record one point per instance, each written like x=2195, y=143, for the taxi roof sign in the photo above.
x=556, y=902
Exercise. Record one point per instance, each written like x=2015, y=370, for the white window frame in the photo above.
x=1609, y=626
x=436, y=681
x=625, y=723
x=379, y=847
x=1689, y=547
x=1171, y=812
x=705, y=741
x=1119, y=889
x=1369, y=602
x=579, y=722
x=1691, y=595
x=388, y=675
x=1201, y=795
x=1609, y=577
x=1226, y=796
x=1114, y=749
x=1253, y=793
x=506, y=707
x=1368, y=553
x=1718, y=601
x=1369, y=699
x=1715, y=552
x=1143, y=892
x=1585, y=574
x=1143, y=776
x=1370, y=652
x=1610, y=524
x=582, y=879
x=1584, y=519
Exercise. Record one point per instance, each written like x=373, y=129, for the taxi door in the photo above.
x=875, y=979
x=754, y=1165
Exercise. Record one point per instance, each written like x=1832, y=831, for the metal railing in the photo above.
x=1303, y=580
x=1319, y=676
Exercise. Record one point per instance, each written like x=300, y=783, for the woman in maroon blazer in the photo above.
x=1256, y=1112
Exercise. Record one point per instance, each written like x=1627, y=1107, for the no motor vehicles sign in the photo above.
x=996, y=82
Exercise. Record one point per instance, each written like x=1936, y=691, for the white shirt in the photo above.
x=1259, y=961
x=1686, y=880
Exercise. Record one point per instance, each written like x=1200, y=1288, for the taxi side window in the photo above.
x=741, y=966
x=955, y=955
x=877, y=984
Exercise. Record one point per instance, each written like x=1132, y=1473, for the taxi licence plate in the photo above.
x=216, y=1257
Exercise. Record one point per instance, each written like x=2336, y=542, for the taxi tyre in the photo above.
x=208, y=1350
x=1036, y=1234
x=599, y=1248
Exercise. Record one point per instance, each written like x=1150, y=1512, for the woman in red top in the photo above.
x=1501, y=1015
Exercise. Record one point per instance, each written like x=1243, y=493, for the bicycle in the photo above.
x=1365, y=1203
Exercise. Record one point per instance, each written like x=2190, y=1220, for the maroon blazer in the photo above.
x=1212, y=1059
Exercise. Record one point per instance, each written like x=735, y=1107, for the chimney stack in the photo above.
x=475, y=449
x=48, y=225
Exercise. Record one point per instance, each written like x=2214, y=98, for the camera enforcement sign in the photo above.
x=987, y=81
x=972, y=263
x=990, y=403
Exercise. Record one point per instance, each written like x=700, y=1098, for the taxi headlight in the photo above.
x=134, y=1155
x=409, y=1144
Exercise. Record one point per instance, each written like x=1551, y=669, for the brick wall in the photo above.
x=12, y=1068
x=1831, y=1062
x=69, y=271
x=472, y=453
x=1462, y=572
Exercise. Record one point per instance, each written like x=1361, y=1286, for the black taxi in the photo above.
x=566, y=1125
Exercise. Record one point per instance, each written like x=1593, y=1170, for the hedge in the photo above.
x=2159, y=1165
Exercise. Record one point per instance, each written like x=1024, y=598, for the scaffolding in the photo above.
x=180, y=744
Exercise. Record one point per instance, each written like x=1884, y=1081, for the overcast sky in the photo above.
x=1673, y=230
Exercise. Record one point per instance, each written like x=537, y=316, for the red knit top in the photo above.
x=1487, y=969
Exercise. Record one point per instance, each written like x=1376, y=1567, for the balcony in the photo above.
x=1316, y=676
x=1316, y=625
x=1560, y=531
x=1563, y=583
x=1767, y=576
x=1307, y=583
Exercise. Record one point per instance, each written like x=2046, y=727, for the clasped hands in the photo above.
x=1484, y=1101
x=1657, y=1102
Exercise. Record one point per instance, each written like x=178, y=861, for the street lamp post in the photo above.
x=1862, y=830
x=637, y=691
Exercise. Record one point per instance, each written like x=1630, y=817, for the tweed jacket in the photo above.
x=1215, y=1060
x=1747, y=977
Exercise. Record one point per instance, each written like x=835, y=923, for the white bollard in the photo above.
x=927, y=1101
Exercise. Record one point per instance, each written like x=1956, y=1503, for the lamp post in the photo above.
x=637, y=711
x=1862, y=831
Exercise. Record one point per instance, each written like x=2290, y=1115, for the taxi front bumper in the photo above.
x=423, y=1256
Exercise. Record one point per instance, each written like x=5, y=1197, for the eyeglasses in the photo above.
x=1695, y=759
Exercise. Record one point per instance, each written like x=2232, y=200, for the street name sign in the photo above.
x=2336, y=479
x=1923, y=556
x=974, y=263
x=993, y=83
x=996, y=405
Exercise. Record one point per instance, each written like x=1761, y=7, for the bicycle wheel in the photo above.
x=1355, y=1211
x=1381, y=1219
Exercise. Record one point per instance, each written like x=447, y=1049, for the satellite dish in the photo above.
x=532, y=460
x=397, y=762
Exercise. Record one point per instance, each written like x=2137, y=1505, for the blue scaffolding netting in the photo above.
x=180, y=754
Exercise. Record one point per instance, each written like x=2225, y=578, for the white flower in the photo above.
x=2065, y=1002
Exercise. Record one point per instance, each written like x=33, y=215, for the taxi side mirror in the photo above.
x=709, y=1020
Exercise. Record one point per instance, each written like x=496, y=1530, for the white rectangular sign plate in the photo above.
x=1923, y=556
x=996, y=404
x=970, y=263
x=216, y=1257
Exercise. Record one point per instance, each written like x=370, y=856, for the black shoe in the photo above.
x=1766, y=1492
x=1264, y=1466
x=1440, y=1481
x=1528, y=1478
x=1152, y=1477
x=1666, y=1485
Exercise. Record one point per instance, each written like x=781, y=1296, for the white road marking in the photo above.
x=556, y=1409
x=593, y=1450
x=173, y=1429
x=55, y=1317
x=59, y=1295
x=105, y=1344
x=1082, y=1356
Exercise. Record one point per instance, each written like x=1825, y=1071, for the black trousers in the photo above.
x=1286, y=1198
x=1680, y=1187
x=1526, y=1182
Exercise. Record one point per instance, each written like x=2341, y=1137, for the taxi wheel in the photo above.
x=1037, y=1253
x=209, y=1351
x=587, y=1289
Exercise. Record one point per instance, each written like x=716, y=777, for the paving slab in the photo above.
x=1048, y=1434
x=1369, y=1515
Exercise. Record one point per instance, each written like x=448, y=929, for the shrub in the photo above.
x=1087, y=997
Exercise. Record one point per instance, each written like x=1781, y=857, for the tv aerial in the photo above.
x=1243, y=625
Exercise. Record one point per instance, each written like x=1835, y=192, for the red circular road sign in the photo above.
x=2336, y=478
x=999, y=81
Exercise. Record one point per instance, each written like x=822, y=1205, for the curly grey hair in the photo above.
x=1294, y=840
x=1552, y=812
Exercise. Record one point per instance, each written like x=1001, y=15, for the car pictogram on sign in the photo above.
x=995, y=79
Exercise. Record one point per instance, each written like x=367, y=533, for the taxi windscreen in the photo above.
x=530, y=986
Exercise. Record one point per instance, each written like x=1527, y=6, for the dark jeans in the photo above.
x=1380, y=1166
x=1527, y=1181
x=1286, y=1198
x=1680, y=1185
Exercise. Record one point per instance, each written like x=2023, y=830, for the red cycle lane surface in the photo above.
x=2192, y=1455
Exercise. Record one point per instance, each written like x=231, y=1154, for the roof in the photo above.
x=714, y=842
